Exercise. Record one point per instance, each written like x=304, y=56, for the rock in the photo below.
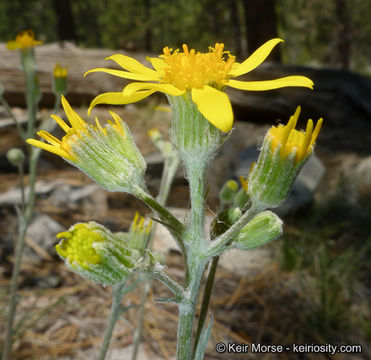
x=362, y=172
x=41, y=238
x=94, y=199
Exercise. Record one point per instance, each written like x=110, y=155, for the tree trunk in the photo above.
x=65, y=23
x=261, y=24
x=344, y=34
x=236, y=26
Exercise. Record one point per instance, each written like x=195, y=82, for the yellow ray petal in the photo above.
x=215, y=106
x=117, y=98
x=72, y=115
x=316, y=131
x=13, y=45
x=304, y=146
x=165, y=88
x=53, y=149
x=49, y=138
x=126, y=74
x=255, y=59
x=60, y=122
x=287, y=81
x=128, y=63
x=158, y=64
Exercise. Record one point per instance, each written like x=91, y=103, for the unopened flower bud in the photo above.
x=139, y=233
x=59, y=80
x=262, y=229
x=228, y=191
x=283, y=153
x=15, y=156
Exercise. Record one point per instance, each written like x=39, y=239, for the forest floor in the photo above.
x=314, y=288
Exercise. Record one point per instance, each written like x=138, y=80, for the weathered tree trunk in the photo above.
x=236, y=26
x=65, y=23
x=261, y=24
x=344, y=33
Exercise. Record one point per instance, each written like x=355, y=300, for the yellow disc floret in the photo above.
x=78, y=248
x=290, y=139
x=190, y=69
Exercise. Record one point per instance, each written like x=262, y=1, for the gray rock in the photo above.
x=363, y=172
x=41, y=238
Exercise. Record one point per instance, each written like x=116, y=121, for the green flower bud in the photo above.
x=92, y=251
x=108, y=155
x=15, y=156
x=59, y=80
x=284, y=152
x=241, y=199
x=228, y=191
x=262, y=229
x=139, y=233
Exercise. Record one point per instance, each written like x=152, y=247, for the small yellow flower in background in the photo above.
x=283, y=154
x=203, y=75
x=59, y=71
x=60, y=80
x=107, y=154
x=139, y=233
x=24, y=40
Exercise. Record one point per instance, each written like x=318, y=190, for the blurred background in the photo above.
x=333, y=33
x=311, y=286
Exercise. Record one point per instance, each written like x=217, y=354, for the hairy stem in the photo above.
x=171, y=165
x=24, y=221
x=205, y=301
x=115, y=313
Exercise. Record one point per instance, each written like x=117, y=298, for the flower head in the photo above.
x=283, y=153
x=107, y=154
x=203, y=75
x=92, y=251
x=288, y=139
x=24, y=40
x=59, y=71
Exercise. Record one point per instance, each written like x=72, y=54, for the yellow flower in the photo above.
x=107, y=154
x=289, y=139
x=77, y=246
x=59, y=71
x=282, y=155
x=78, y=129
x=24, y=40
x=203, y=75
